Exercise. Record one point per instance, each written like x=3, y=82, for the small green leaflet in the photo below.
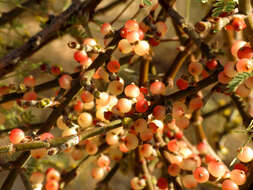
x=222, y=6
x=237, y=80
x=147, y=2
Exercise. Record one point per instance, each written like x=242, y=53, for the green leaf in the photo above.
x=221, y=6
x=237, y=80
x=147, y=2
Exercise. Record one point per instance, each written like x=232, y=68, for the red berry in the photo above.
x=211, y=64
x=238, y=23
x=78, y=106
x=154, y=42
x=162, y=183
x=123, y=32
x=56, y=70
x=113, y=66
x=80, y=56
x=141, y=106
x=245, y=52
x=182, y=84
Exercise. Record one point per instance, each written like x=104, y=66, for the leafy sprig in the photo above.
x=223, y=6
x=237, y=80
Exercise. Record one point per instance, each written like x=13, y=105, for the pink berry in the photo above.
x=229, y=185
x=124, y=46
x=142, y=48
x=98, y=173
x=106, y=28
x=161, y=28
x=52, y=185
x=159, y=112
x=174, y=170
x=133, y=36
x=238, y=176
x=195, y=103
x=189, y=181
x=223, y=78
x=46, y=136
x=242, y=91
x=229, y=69
x=146, y=150
x=157, y=88
x=124, y=105
x=132, y=91
x=65, y=81
x=131, y=141
x=201, y=175
x=29, y=81
x=195, y=68
x=53, y=174
x=244, y=65
x=37, y=178
x=103, y=161
x=237, y=45
x=86, y=96
x=90, y=42
x=132, y=25
x=245, y=154
x=216, y=168
x=16, y=136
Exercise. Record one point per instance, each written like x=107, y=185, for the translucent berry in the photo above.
x=157, y=88
x=195, y=68
x=142, y=48
x=245, y=154
x=238, y=176
x=229, y=185
x=216, y=168
x=85, y=119
x=201, y=175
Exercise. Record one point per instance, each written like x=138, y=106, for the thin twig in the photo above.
x=122, y=12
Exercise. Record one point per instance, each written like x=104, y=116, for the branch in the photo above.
x=39, y=88
x=245, y=8
x=9, y=62
x=194, y=89
x=7, y=17
x=216, y=111
x=25, y=180
x=110, y=6
x=188, y=29
x=241, y=108
x=108, y=177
